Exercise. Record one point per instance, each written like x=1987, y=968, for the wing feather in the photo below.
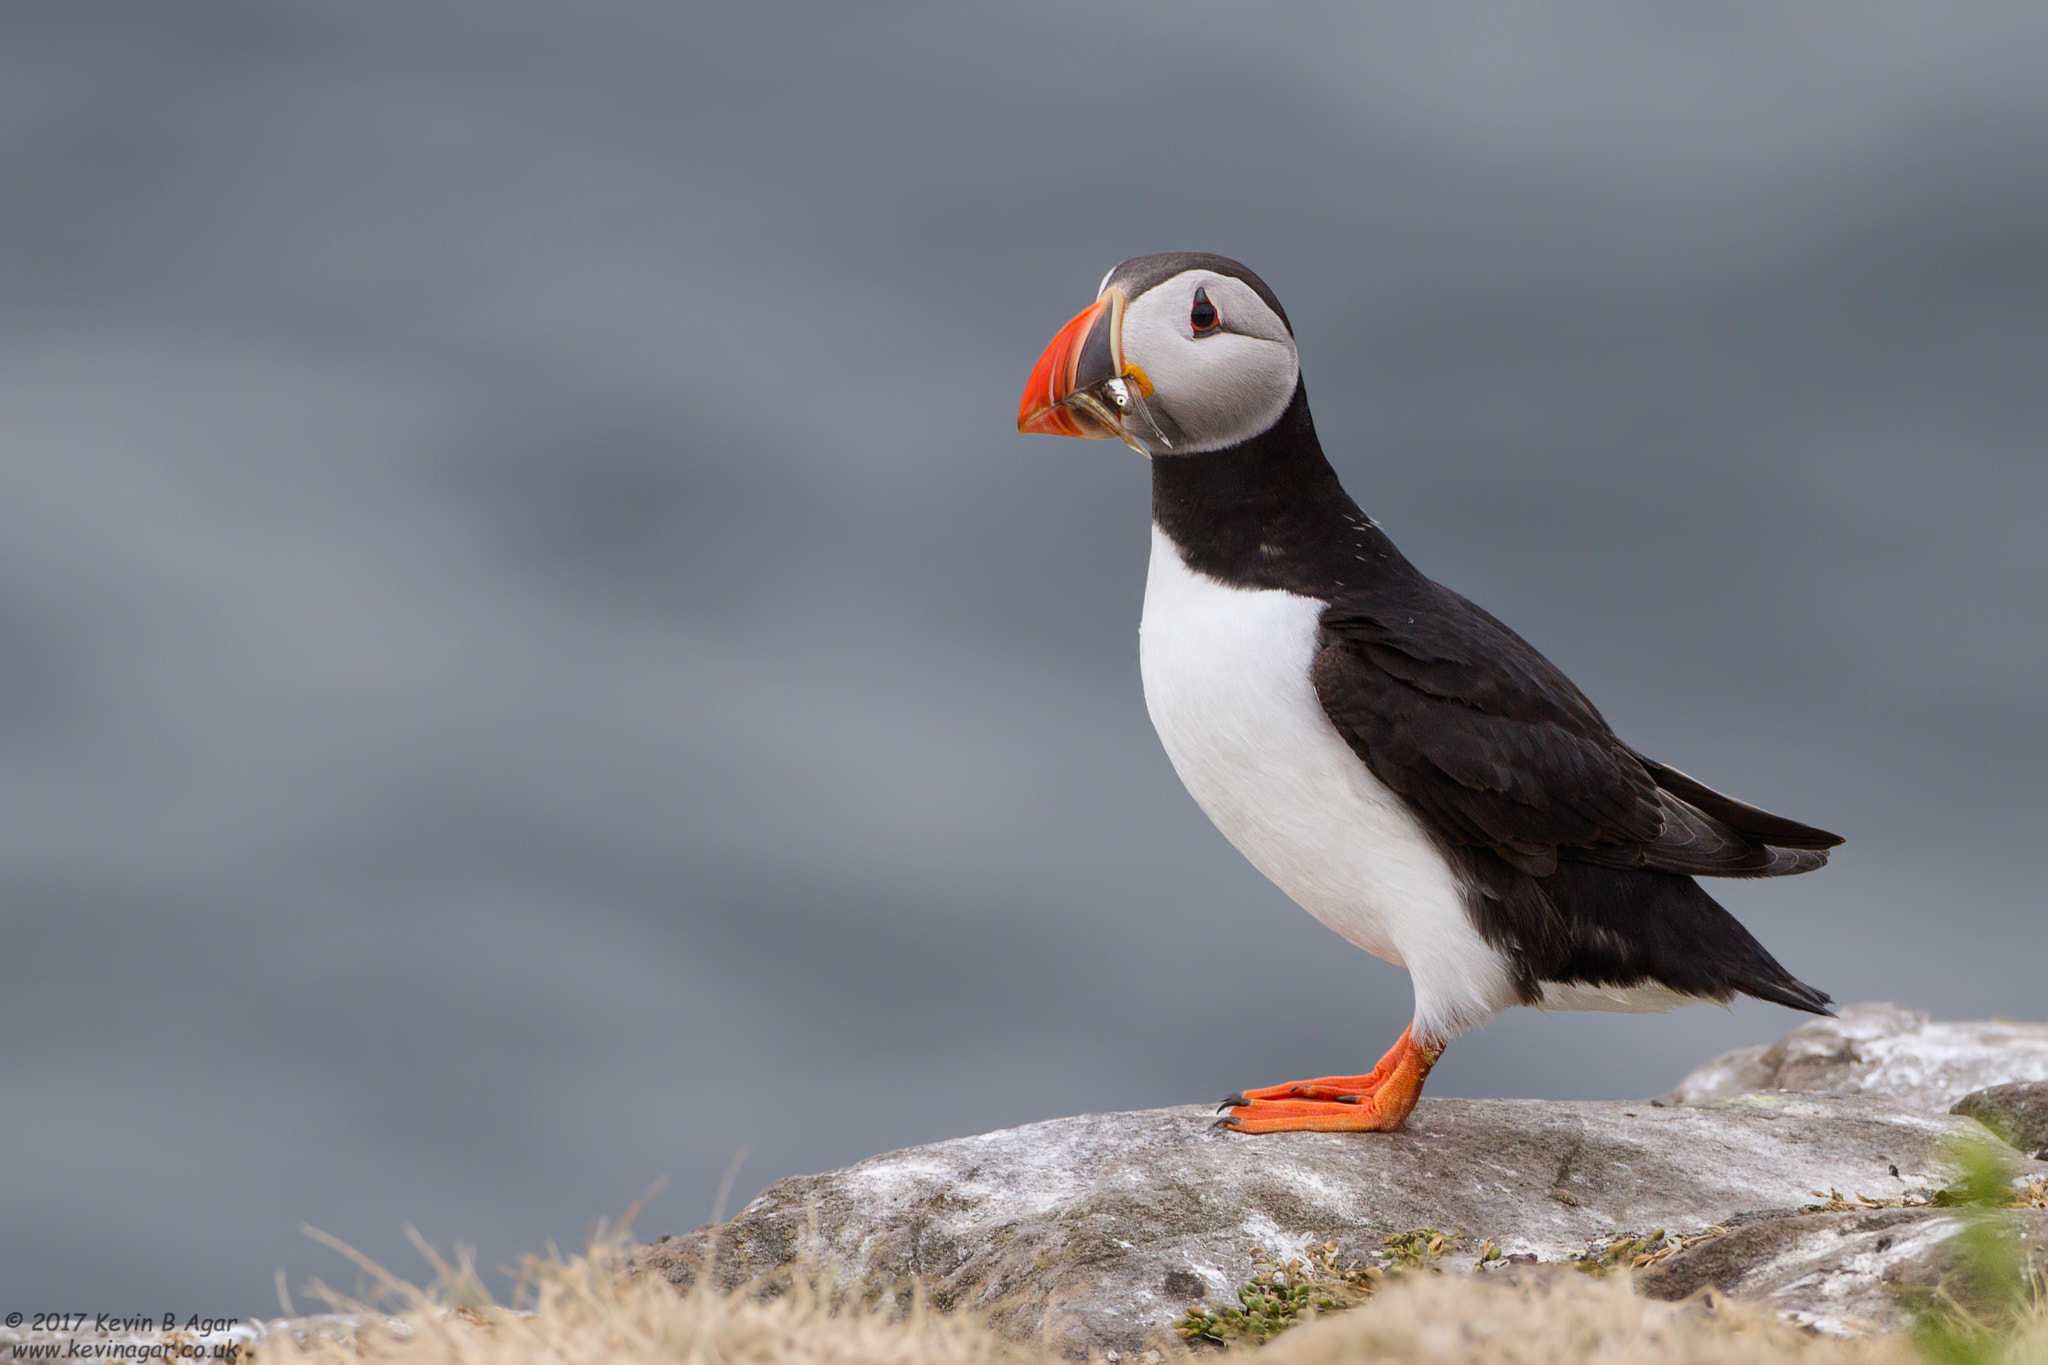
x=1498, y=750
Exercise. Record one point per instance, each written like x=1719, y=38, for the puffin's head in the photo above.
x=1179, y=354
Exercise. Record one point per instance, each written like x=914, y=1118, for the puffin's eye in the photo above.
x=1202, y=317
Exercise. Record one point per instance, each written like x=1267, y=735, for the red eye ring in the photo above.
x=1202, y=317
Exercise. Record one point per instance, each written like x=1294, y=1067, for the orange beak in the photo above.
x=1082, y=354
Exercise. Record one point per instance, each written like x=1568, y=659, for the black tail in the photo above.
x=1622, y=927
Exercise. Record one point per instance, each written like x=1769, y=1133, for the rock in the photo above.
x=1794, y=1173
x=2017, y=1113
x=1879, y=1049
x=1837, y=1272
x=1100, y=1231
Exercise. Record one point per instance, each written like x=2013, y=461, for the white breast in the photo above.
x=1227, y=682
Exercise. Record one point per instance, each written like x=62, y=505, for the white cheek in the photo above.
x=1235, y=387
x=1218, y=390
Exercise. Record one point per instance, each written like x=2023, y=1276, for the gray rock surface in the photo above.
x=1879, y=1049
x=1102, y=1230
x=2018, y=1113
x=1838, y=1272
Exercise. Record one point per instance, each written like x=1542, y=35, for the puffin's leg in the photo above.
x=1380, y=1102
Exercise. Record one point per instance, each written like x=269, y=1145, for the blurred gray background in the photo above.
x=531, y=655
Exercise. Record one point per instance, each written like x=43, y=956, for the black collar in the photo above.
x=1270, y=513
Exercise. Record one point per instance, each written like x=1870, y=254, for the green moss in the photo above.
x=1416, y=1250
x=1280, y=1295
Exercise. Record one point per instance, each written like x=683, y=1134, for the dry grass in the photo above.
x=584, y=1311
x=1485, y=1320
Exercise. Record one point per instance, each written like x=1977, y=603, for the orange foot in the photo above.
x=1378, y=1103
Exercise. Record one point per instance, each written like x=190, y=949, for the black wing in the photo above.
x=1498, y=750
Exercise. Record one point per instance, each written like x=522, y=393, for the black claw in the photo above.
x=1226, y=1124
x=1350, y=1099
x=1236, y=1101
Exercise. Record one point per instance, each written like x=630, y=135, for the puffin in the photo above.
x=1401, y=764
